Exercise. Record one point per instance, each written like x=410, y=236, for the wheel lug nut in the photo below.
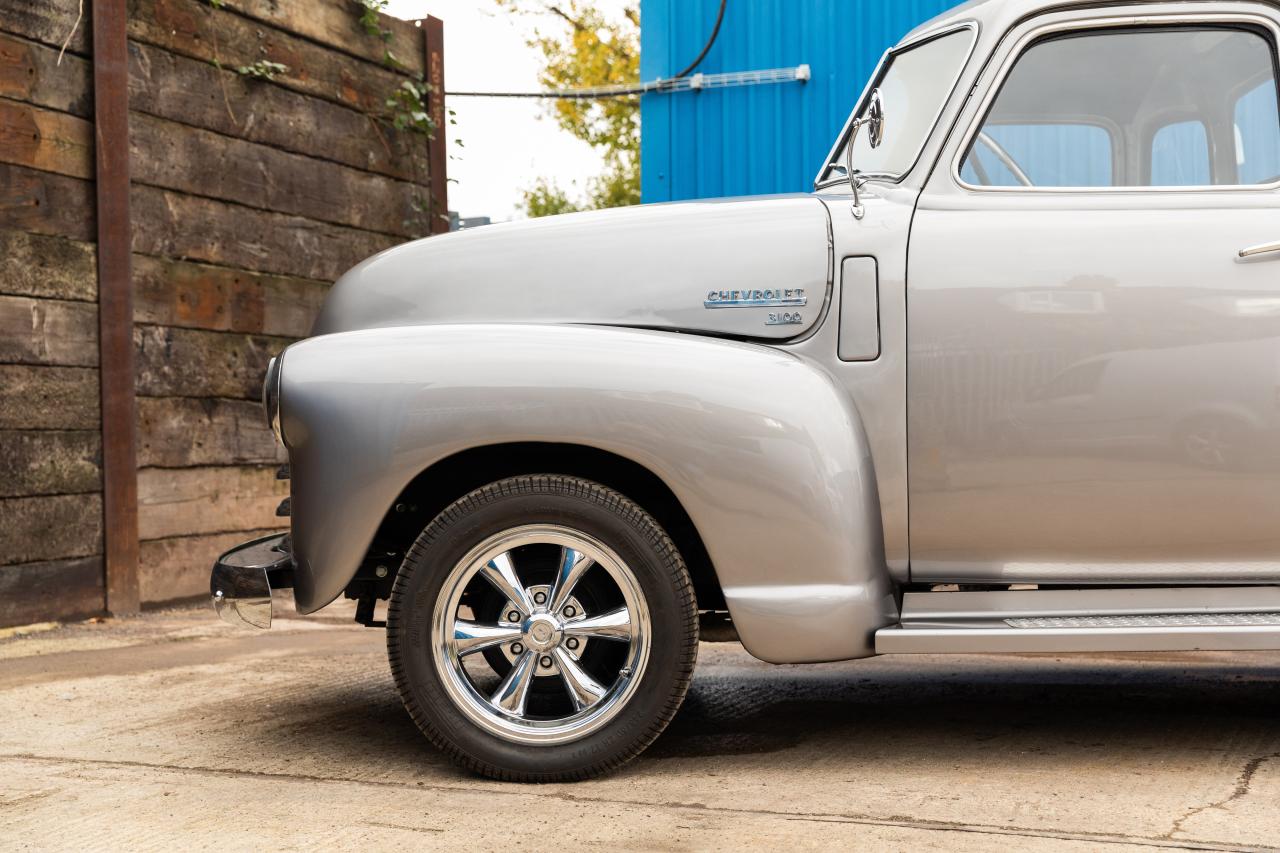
x=517, y=648
x=572, y=642
x=546, y=661
x=539, y=598
x=570, y=611
x=513, y=616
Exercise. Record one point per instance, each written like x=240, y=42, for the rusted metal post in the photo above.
x=437, y=148
x=115, y=305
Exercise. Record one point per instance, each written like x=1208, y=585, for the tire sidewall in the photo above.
x=598, y=512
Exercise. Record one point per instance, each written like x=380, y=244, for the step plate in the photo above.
x=1150, y=620
x=1244, y=631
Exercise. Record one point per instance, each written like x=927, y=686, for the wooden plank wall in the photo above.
x=51, y=526
x=248, y=198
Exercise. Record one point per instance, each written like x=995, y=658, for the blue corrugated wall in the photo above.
x=757, y=139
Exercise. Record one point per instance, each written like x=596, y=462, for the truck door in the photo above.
x=1093, y=307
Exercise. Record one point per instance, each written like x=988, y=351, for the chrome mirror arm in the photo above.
x=874, y=119
x=855, y=179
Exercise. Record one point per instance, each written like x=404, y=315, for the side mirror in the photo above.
x=873, y=120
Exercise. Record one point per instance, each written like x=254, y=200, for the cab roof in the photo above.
x=1001, y=14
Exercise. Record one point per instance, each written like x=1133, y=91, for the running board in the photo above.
x=1086, y=620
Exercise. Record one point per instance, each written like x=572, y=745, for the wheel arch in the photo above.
x=454, y=476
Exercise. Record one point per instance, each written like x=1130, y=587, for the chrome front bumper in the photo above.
x=241, y=581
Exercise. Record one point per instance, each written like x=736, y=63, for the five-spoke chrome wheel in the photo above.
x=541, y=634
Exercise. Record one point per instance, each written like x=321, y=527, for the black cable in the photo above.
x=640, y=89
x=715, y=31
x=572, y=96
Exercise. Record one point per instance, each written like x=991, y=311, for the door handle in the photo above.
x=1263, y=249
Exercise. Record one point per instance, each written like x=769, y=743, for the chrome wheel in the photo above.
x=542, y=628
x=541, y=634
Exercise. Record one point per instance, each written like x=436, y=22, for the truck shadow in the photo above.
x=960, y=707
x=957, y=710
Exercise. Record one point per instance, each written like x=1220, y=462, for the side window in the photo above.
x=1141, y=107
x=1046, y=155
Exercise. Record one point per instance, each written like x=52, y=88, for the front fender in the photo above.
x=764, y=451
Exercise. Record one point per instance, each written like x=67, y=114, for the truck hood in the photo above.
x=758, y=268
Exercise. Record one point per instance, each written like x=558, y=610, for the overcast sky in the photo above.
x=506, y=143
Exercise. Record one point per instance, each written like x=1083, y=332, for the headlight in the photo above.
x=271, y=397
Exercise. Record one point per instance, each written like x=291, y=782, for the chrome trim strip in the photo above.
x=1149, y=620
x=1158, y=19
x=996, y=640
x=1005, y=604
x=833, y=155
x=1264, y=249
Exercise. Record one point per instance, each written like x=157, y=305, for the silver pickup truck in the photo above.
x=1008, y=380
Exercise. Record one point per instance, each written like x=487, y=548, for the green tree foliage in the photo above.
x=546, y=199
x=586, y=48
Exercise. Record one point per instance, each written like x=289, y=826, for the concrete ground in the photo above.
x=173, y=731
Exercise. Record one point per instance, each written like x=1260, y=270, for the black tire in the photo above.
x=598, y=512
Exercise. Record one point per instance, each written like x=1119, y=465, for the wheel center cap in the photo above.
x=542, y=632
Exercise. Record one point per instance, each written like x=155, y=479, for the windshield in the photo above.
x=914, y=84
